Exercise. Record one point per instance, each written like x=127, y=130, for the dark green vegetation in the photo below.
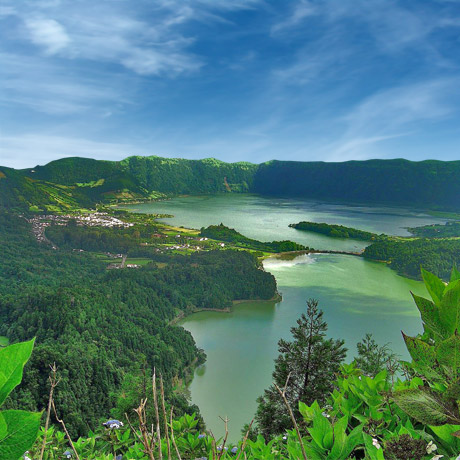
x=354, y=416
x=74, y=183
x=426, y=184
x=448, y=230
x=308, y=364
x=81, y=183
x=223, y=233
x=407, y=256
x=105, y=328
x=337, y=231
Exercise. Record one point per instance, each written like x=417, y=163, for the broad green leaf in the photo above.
x=454, y=275
x=338, y=449
x=354, y=438
x=421, y=352
x=449, y=308
x=320, y=428
x=444, y=432
x=448, y=352
x=425, y=406
x=18, y=431
x=308, y=412
x=430, y=316
x=434, y=286
x=312, y=452
x=12, y=361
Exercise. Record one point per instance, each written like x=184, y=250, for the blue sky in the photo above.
x=237, y=80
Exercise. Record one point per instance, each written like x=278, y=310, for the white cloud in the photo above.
x=44, y=87
x=302, y=10
x=393, y=113
x=48, y=34
x=28, y=150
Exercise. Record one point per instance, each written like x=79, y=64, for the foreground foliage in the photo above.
x=18, y=428
x=354, y=415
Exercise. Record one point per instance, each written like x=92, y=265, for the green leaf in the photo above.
x=448, y=352
x=454, y=275
x=425, y=406
x=308, y=412
x=12, y=361
x=434, y=286
x=444, y=432
x=449, y=308
x=430, y=316
x=18, y=431
x=354, y=438
x=422, y=353
x=321, y=427
x=337, y=451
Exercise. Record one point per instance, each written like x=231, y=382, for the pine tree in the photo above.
x=373, y=358
x=310, y=361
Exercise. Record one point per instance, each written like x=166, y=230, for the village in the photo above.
x=168, y=241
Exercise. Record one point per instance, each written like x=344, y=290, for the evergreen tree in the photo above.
x=373, y=358
x=307, y=364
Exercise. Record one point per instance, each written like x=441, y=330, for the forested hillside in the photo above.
x=100, y=326
x=80, y=182
x=399, y=182
x=407, y=256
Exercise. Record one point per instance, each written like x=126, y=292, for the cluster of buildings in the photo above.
x=97, y=219
x=100, y=219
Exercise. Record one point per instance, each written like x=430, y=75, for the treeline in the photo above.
x=223, y=233
x=105, y=239
x=448, y=230
x=428, y=184
x=105, y=328
x=337, y=231
x=436, y=255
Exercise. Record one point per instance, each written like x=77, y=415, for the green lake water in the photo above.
x=357, y=296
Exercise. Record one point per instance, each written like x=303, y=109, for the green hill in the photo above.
x=428, y=183
x=80, y=182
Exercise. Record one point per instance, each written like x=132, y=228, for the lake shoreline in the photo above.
x=358, y=295
x=185, y=314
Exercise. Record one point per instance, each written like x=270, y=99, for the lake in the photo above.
x=357, y=296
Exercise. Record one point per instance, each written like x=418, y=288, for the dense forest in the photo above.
x=407, y=256
x=73, y=183
x=337, y=231
x=426, y=184
x=317, y=408
x=104, y=328
x=448, y=230
x=223, y=233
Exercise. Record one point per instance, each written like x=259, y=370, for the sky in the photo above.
x=237, y=80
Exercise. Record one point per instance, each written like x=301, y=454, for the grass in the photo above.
x=4, y=342
x=138, y=261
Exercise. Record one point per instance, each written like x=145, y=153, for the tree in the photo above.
x=373, y=358
x=308, y=365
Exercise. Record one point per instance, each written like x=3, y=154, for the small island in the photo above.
x=338, y=231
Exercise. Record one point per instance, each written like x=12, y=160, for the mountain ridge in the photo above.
x=75, y=182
